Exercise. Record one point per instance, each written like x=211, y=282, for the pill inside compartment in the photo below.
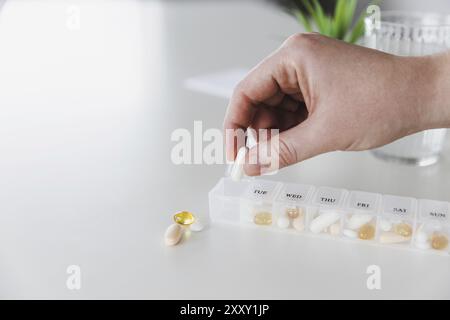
x=257, y=203
x=360, y=217
x=325, y=217
x=432, y=230
x=291, y=206
x=396, y=222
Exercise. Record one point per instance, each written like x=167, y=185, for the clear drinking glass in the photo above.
x=410, y=34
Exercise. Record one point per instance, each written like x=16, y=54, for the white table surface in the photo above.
x=86, y=177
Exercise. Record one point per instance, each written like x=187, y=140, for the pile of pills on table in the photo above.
x=184, y=221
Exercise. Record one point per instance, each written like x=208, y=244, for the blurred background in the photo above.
x=432, y=5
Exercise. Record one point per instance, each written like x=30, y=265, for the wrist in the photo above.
x=433, y=74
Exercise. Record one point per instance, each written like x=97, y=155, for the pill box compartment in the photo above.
x=397, y=220
x=224, y=200
x=292, y=205
x=433, y=226
x=360, y=217
x=257, y=202
x=325, y=216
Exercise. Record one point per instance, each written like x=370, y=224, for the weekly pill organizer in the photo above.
x=372, y=218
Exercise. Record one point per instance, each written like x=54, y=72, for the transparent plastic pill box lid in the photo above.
x=372, y=218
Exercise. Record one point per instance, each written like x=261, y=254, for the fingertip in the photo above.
x=251, y=166
x=252, y=170
x=234, y=141
x=230, y=153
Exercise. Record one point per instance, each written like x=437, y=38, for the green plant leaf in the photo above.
x=342, y=17
x=358, y=30
x=339, y=25
x=349, y=14
x=359, y=27
x=303, y=20
x=328, y=25
x=308, y=6
x=314, y=15
x=322, y=19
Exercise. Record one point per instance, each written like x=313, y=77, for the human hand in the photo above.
x=326, y=95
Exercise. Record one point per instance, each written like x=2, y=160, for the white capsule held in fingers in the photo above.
x=323, y=221
x=350, y=233
x=173, y=234
x=251, y=138
x=283, y=222
x=237, y=172
x=356, y=221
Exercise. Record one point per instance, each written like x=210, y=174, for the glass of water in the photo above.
x=410, y=34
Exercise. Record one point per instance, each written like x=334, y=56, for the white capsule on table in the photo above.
x=237, y=172
x=356, y=221
x=298, y=224
x=350, y=233
x=197, y=226
x=323, y=221
x=385, y=225
x=283, y=222
x=391, y=237
x=173, y=234
x=335, y=229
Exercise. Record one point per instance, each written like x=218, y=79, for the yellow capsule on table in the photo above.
x=439, y=241
x=184, y=218
x=366, y=232
x=403, y=229
x=293, y=213
x=263, y=218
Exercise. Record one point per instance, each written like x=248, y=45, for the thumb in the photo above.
x=289, y=147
